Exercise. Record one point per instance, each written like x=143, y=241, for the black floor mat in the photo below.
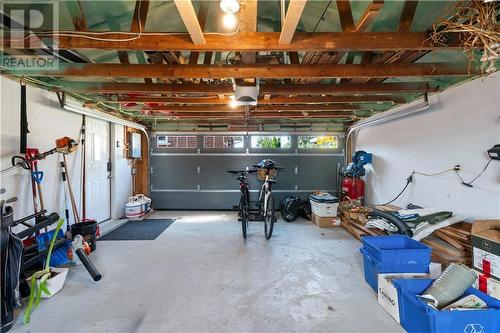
x=139, y=230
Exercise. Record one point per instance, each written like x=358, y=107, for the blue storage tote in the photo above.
x=373, y=268
x=397, y=249
x=416, y=316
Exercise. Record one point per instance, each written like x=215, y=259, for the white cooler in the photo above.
x=324, y=205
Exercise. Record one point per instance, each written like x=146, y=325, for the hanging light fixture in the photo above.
x=230, y=6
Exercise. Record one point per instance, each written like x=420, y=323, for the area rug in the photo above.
x=148, y=229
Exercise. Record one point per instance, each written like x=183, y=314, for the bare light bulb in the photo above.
x=232, y=102
x=229, y=20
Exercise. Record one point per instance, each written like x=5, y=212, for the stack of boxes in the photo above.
x=324, y=210
x=485, y=239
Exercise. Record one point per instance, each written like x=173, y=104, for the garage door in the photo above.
x=189, y=171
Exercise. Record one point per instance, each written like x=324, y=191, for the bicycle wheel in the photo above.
x=269, y=217
x=244, y=216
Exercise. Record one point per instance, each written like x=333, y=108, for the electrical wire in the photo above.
x=469, y=184
x=408, y=181
x=322, y=17
x=434, y=174
x=137, y=35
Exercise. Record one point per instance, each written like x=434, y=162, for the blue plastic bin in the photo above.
x=373, y=268
x=416, y=316
x=397, y=249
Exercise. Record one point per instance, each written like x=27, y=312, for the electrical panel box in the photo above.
x=135, y=145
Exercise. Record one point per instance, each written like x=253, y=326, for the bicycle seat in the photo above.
x=271, y=181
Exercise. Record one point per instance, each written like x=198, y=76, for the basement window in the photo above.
x=318, y=142
x=270, y=142
x=176, y=141
x=222, y=142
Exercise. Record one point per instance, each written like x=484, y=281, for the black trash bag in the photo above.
x=305, y=211
x=290, y=208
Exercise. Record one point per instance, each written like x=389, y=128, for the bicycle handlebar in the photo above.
x=268, y=168
x=235, y=172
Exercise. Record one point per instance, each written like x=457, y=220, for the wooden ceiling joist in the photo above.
x=202, y=18
x=369, y=15
x=348, y=88
x=345, y=15
x=274, y=89
x=260, y=41
x=265, y=108
x=273, y=115
x=292, y=18
x=406, y=20
x=274, y=100
x=137, y=25
x=253, y=70
x=188, y=15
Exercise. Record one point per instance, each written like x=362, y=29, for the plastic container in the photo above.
x=88, y=230
x=417, y=316
x=324, y=205
x=397, y=249
x=55, y=283
x=59, y=255
x=372, y=268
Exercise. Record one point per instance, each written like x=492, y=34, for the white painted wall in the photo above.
x=462, y=124
x=47, y=121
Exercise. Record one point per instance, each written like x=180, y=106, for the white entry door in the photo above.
x=97, y=175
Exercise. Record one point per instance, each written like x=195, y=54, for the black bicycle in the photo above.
x=267, y=170
x=244, y=206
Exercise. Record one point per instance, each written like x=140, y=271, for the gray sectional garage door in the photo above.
x=192, y=176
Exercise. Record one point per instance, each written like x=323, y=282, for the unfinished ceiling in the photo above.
x=322, y=65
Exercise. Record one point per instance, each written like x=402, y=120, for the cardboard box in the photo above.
x=487, y=285
x=485, y=239
x=388, y=294
x=325, y=222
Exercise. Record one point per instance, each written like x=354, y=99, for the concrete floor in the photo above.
x=201, y=276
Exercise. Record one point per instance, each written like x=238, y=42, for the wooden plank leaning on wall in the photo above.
x=140, y=180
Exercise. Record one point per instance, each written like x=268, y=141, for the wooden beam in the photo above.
x=216, y=89
x=348, y=88
x=207, y=60
x=77, y=15
x=271, y=101
x=202, y=18
x=262, y=41
x=298, y=115
x=137, y=25
x=248, y=23
x=409, y=9
x=345, y=15
x=292, y=18
x=266, y=108
x=273, y=115
x=140, y=15
x=294, y=58
x=188, y=15
x=254, y=70
x=369, y=15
